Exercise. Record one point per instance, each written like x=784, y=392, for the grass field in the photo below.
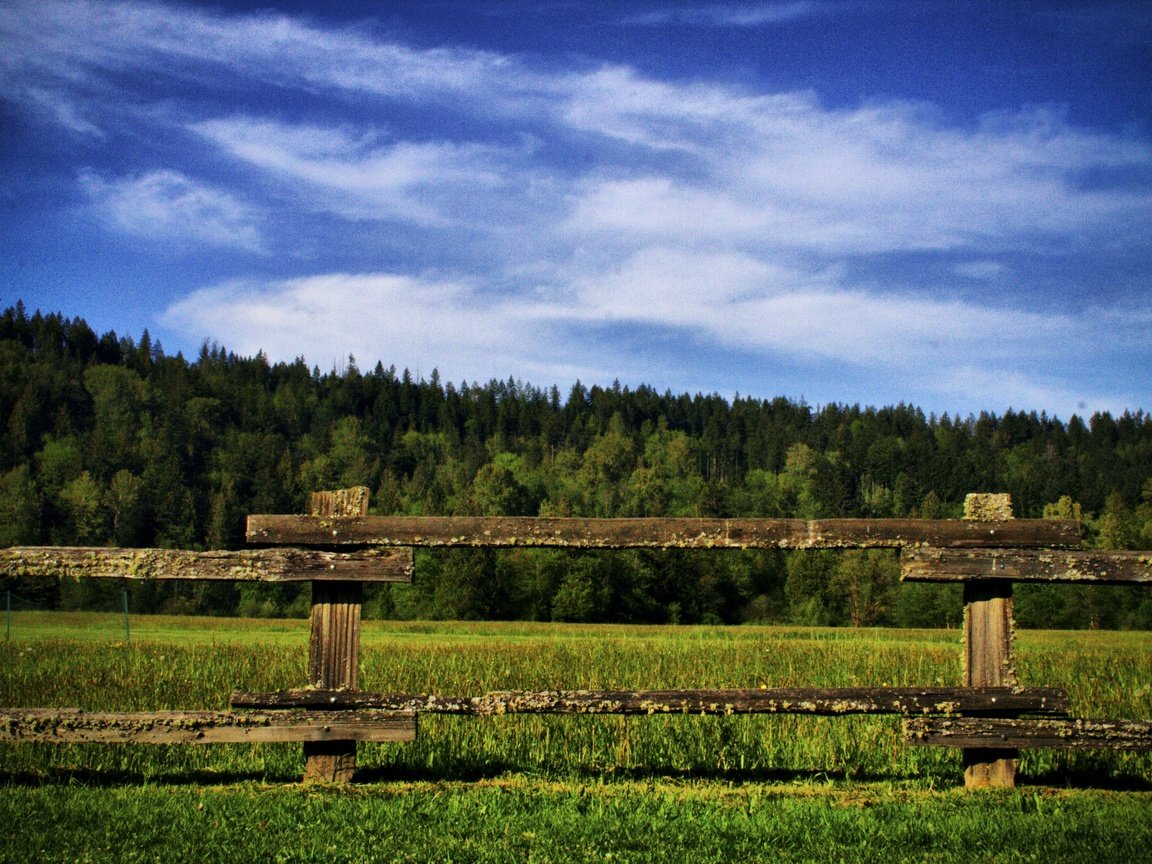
x=561, y=788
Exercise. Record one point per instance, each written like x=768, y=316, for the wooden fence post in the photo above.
x=334, y=646
x=989, y=658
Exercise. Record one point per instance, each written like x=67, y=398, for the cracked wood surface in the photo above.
x=72, y=726
x=334, y=642
x=778, y=700
x=987, y=733
x=250, y=565
x=678, y=533
x=1026, y=565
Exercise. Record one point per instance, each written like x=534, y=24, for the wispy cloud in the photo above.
x=984, y=270
x=360, y=178
x=63, y=110
x=730, y=14
x=590, y=200
x=872, y=179
x=959, y=350
x=418, y=322
x=168, y=206
x=86, y=44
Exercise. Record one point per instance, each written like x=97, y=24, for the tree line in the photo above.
x=108, y=440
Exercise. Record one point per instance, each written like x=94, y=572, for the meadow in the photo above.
x=561, y=788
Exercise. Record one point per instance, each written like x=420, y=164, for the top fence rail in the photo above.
x=658, y=533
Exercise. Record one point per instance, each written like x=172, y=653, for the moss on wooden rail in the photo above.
x=1003, y=733
x=250, y=565
x=1067, y=566
x=72, y=726
x=781, y=700
x=673, y=533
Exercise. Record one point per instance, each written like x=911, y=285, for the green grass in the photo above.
x=529, y=821
x=561, y=788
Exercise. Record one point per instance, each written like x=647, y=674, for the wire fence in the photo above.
x=14, y=603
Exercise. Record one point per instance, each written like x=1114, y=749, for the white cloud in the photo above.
x=166, y=205
x=64, y=111
x=972, y=384
x=962, y=352
x=731, y=15
x=426, y=183
x=416, y=322
x=790, y=310
x=784, y=172
x=780, y=168
x=84, y=43
x=981, y=270
x=746, y=220
x=659, y=209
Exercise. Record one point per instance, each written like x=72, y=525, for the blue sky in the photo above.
x=945, y=204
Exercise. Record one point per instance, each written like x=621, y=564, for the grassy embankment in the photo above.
x=561, y=788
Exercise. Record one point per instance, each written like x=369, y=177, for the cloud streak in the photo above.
x=419, y=322
x=421, y=182
x=168, y=206
x=731, y=15
x=957, y=348
x=589, y=209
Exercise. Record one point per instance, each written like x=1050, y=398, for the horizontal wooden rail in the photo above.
x=72, y=726
x=990, y=734
x=791, y=700
x=259, y=565
x=432, y=531
x=1026, y=565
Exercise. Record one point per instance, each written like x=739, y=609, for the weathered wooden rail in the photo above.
x=339, y=547
x=259, y=565
x=658, y=533
x=72, y=726
x=827, y=701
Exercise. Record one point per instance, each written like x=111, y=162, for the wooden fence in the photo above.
x=339, y=547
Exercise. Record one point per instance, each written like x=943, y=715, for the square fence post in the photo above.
x=334, y=645
x=989, y=651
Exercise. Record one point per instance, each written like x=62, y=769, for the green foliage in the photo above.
x=84, y=509
x=109, y=441
x=18, y=507
x=581, y=595
x=634, y=821
x=866, y=581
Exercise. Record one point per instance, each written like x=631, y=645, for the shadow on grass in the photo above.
x=476, y=772
x=471, y=773
x=111, y=777
x=1074, y=779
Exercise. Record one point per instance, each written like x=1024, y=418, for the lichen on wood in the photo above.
x=250, y=565
x=988, y=506
x=656, y=533
x=1087, y=567
x=1011, y=734
x=71, y=726
x=788, y=700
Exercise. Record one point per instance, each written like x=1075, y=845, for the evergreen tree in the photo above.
x=107, y=440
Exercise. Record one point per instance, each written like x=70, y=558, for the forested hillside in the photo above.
x=108, y=440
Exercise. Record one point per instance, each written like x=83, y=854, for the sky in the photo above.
x=944, y=204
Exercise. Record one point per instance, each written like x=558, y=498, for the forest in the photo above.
x=108, y=440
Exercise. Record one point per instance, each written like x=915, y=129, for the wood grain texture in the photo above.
x=71, y=726
x=572, y=533
x=780, y=700
x=334, y=643
x=1026, y=565
x=989, y=647
x=992, y=734
x=250, y=565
